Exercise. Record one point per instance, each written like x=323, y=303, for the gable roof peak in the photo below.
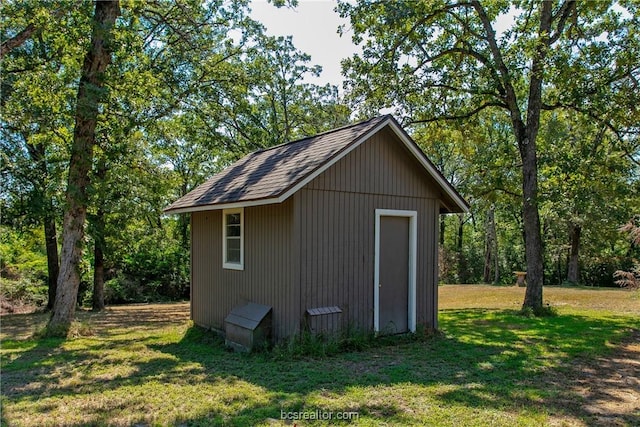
x=273, y=174
x=326, y=132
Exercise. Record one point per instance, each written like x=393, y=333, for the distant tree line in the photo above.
x=536, y=122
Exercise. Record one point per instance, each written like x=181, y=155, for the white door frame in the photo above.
x=413, y=245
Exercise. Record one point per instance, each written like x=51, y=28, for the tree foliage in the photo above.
x=191, y=87
x=435, y=60
x=539, y=118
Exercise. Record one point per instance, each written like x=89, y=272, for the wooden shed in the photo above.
x=331, y=231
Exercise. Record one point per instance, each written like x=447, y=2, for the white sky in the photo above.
x=314, y=27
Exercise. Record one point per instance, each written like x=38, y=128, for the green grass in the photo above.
x=147, y=365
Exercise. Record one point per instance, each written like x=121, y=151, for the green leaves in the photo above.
x=478, y=81
x=191, y=87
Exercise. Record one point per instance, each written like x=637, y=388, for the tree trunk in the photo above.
x=38, y=156
x=528, y=154
x=459, y=240
x=183, y=219
x=490, y=249
x=442, y=229
x=462, y=262
x=53, y=264
x=496, y=258
x=91, y=93
x=573, y=275
x=532, y=232
x=526, y=134
x=97, y=302
x=486, y=276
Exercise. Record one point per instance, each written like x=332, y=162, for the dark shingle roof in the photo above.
x=269, y=173
x=272, y=174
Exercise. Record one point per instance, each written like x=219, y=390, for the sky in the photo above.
x=314, y=27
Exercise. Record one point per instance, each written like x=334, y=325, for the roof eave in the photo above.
x=460, y=205
x=220, y=206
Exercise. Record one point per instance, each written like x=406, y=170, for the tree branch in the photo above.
x=24, y=35
x=564, y=12
x=465, y=25
x=460, y=116
x=472, y=53
x=588, y=113
x=17, y=40
x=420, y=22
x=463, y=90
x=504, y=190
x=510, y=93
x=631, y=157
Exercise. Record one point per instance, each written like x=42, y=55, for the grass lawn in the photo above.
x=146, y=365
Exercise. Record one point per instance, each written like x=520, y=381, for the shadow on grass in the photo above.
x=489, y=360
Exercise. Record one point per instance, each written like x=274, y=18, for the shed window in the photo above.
x=233, y=239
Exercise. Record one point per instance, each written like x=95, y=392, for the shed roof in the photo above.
x=272, y=175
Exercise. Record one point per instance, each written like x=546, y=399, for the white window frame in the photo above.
x=226, y=264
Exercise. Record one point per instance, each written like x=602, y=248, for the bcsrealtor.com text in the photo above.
x=318, y=415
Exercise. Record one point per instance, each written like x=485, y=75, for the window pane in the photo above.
x=233, y=238
x=233, y=219
x=233, y=231
x=233, y=244
x=233, y=250
x=233, y=256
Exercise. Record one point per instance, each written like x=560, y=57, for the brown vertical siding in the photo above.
x=337, y=227
x=266, y=278
x=341, y=264
x=317, y=248
x=206, y=255
x=381, y=165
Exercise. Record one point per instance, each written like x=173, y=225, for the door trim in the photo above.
x=413, y=245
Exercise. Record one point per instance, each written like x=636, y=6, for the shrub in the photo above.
x=25, y=291
x=155, y=271
x=22, y=254
x=628, y=279
x=122, y=290
x=599, y=272
x=631, y=277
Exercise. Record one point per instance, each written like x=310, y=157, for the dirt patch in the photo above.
x=140, y=316
x=8, y=306
x=604, y=390
x=136, y=316
x=21, y=326
x=611, y=386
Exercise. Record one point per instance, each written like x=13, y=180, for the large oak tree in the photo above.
x=91, y=94
x=446, y=60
